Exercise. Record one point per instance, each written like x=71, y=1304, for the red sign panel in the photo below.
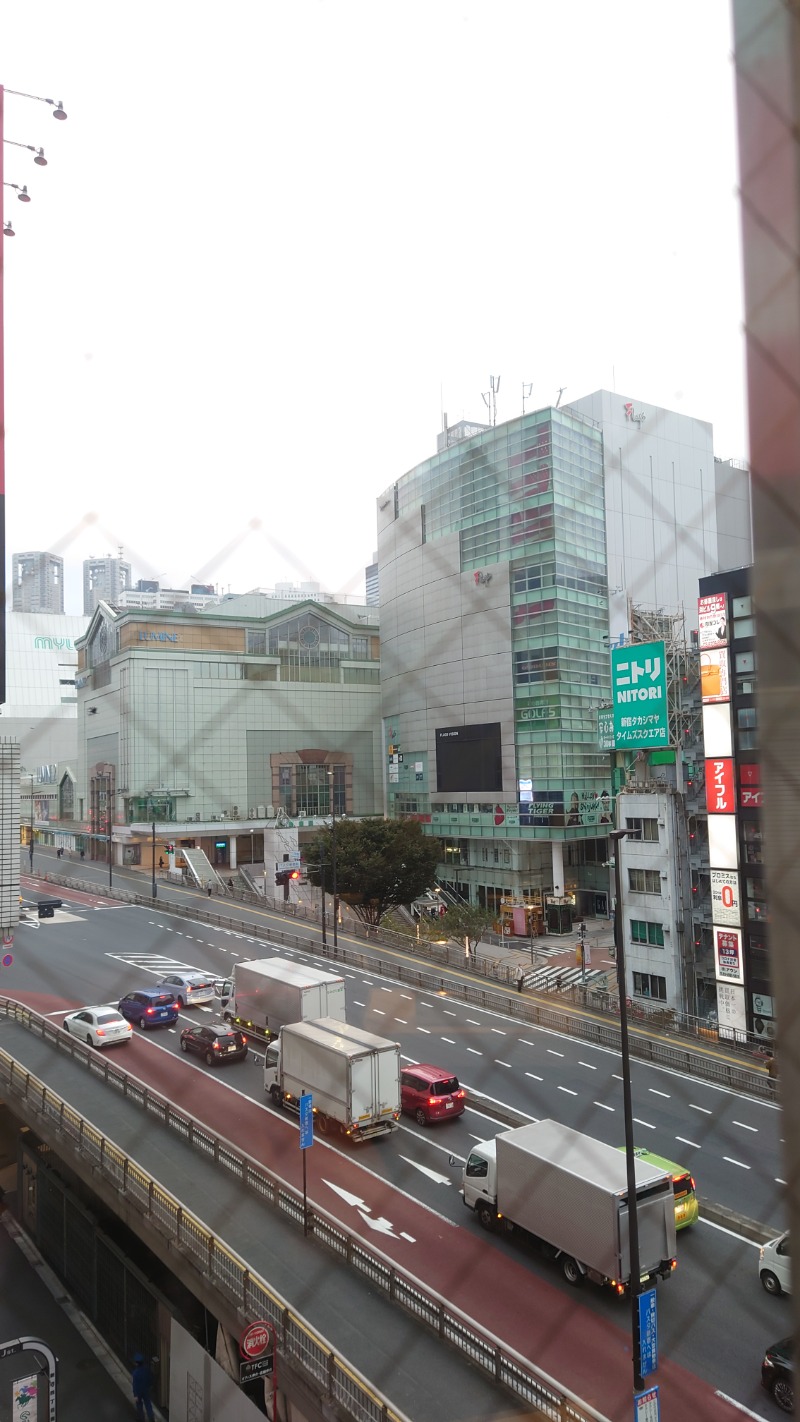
x=720, y=790
x=750, y=786
x=255, y=1340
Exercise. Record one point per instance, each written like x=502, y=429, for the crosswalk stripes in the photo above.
x=551, y=979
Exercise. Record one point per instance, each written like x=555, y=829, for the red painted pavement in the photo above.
x=586, y=1353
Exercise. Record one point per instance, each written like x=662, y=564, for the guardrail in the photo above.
x=231, y=1275
x=667, y=1050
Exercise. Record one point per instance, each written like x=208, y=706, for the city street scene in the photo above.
x=399, y=674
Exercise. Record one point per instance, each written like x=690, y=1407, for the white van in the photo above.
x=775, y=1266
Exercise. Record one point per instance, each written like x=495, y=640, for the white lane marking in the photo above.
x=554, y=1053
x=589, y=1065
x=379, y=1011
x=449, y=1014
x=385, y=989
x=367, y=982
x=535, y=1077
x=431, y=1174
x=603, y=1106
x=567, y=1091
x=740, y=1407
x=617, y=1077
x=779, y=1182
x=409, y=1237
x=731, y=1161
x=498, y=1062
x=665, y=1094
x=426, y=1030
x=402, y=1021
x=356, y=1003
x=475, y=1051
x=684, y=1141
x=473, y=1022
x=746, y=1128
x=525, y=1043
x=426, y=1004
x=449, y=1041
x=407, y=996
x=644, y=1123
x=723, y=1229
x=499, y=1031
x=704, y=1109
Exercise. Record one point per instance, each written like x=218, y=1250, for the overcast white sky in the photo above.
x=274, y=240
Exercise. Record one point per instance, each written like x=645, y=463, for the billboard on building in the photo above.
x=717, y=736
x=725, y=902
x=639, y=696
x=605, y=728
x=728, y=955
x=731, y=1010
x=715, y=682
x=723, y=850
x=469, y=758
x=712, y=620
x=720, y=790
x=750, y=786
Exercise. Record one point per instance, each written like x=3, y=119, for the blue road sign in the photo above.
x=306, y=1121
x=648, y=1333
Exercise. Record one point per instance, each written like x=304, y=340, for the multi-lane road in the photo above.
x=714, y=1319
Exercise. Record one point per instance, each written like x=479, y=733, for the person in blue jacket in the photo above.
x=142, y=1382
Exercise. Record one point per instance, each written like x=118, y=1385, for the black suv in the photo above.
x=777, y=1374
x=217, y=1044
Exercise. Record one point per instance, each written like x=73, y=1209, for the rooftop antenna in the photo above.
x=561, y=390
x=526, y=394
x=490, y=398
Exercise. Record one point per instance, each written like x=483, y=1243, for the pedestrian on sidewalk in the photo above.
x=142, y=1383
x=520, y=977
x=772, y=1070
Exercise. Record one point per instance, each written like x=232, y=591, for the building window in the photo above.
x=536, y=666
x=256, y=643
x=642, y=829
x=650, y=985
x=644, y=881
x=645, y=932
x=745, y=661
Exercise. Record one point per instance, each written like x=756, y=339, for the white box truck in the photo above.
x=264, y=994
x=352, y=1075
x=569, y=1194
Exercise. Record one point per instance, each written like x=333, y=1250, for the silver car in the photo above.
x=98, y=1026
x=189, y=989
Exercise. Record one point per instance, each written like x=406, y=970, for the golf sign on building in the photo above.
x=639, y=696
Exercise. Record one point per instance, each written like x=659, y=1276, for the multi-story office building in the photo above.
x=508, y=561
x=103, y=580
x=674, y=513
x=41, y=706
x=37, y=583
x=152, y=596
x=494, y=615
x=209, y=722
x=372, y=583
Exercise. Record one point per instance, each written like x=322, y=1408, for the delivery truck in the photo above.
x=265, y=993
x=352, y=1076
x=568, y=1193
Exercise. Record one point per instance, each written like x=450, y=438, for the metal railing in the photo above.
x=230, y=1274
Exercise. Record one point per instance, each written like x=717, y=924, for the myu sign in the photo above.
x=639, y=696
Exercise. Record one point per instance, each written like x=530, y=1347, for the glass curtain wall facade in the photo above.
x=515, y=513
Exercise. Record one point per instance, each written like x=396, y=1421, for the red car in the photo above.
x=430, y=1094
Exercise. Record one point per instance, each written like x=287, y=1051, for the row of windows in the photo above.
x=639, y=828
x=642, y=931
x=650, y=985
x=644, y=881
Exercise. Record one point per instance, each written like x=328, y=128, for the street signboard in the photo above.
x=646, y=1407
x=639, y=696
x=605, y=728
x=648, y=1333
x=306, y=1121
x=256, y=1368
x=255, y=1340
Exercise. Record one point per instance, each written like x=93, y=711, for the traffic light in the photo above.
x=295, y=874
x=281, y=876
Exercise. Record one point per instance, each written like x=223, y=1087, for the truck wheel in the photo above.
x=486, y=1215
x=571, y=1271
x=274, y=1092
x=770, y=1281
x=321, y=1123
x=226, y=1017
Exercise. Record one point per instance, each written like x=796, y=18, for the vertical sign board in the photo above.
x=639, y=696
x=24, y=1397
x=648, y=1333
x=306, y=1121
x=605, y=728
x=646, y=1406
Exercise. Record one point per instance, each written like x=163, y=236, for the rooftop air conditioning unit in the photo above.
x=235, y=812
x=198, y=816
x=270, y=812
x=252, y=813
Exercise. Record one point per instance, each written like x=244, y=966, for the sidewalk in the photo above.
x=550, y=962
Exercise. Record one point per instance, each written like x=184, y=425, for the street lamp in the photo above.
x=109, y=827
x=617, y=836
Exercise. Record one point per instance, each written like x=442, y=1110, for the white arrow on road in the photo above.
x=383, y=1226
x=380, y=1225
x=432, y=1174
x=345, y=1194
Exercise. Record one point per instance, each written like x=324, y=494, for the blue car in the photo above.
x=149, y=1007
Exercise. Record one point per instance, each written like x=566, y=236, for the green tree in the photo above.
x=467, y=921
x=379, y=864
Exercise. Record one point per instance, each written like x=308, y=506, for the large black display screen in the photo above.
x=469, y=758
